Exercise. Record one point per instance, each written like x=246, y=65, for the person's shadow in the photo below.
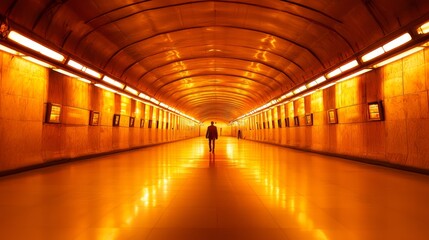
x=212, y=160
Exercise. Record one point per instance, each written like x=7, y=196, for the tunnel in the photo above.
x=321, y=111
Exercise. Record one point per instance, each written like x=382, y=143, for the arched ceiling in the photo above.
x=212, y=59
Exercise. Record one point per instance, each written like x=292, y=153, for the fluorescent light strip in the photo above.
x=26, y=42
x=75, y=64
x=105, y=88
x=92, y=72
x=373, y=54
x=316, y=82
x=84, y=69
x=38, y=62
x=349, y=66
x=131, y=90
x=397, y=57
x=113, y=82
x=300, y=89
x=144, y=96
x=333, y=73
x=154, y=100
x=397, y=42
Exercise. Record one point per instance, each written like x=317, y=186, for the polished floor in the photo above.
x=244, y=191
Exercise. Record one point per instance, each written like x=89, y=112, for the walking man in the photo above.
x=212, y=136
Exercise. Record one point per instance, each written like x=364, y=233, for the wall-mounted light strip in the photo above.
x=154, y=101
x=300, y=89
x=131, y=90
x=84, y=69
x=144, y=96
x=343, y=68
x=113, y=82
x=397, y=42
x=28, y=43
x=316, y=82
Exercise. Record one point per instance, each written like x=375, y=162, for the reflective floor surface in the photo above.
x=245, y=190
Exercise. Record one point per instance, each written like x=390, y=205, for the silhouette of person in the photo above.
x=212, y=136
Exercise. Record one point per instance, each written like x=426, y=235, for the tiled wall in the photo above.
x=26, y=140
x=401, y=139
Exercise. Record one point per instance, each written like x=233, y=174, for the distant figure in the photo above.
x=239, y=134
x=212, y=136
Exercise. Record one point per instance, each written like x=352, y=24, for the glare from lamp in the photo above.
x=397, y=57
x=105, y=88
x=65, y=72
x=354, y=74
x=8, y=50
x=38, y=62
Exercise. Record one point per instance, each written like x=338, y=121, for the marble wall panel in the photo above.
x=394, y=108
x=417, y=143
x=393, y=80
x=416, y=105
x=396, y=137
x=414, y=73
x=375, y=140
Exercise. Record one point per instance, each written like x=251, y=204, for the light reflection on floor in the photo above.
x=245, y=190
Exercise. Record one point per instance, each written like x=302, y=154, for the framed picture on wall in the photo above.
x=332, y=116
x=309, y=119
x=279, y=122
x=375, y=111
x=116, y=120
x=132, y=119
x=166, y=125
x=53, y=113
x=94, y=118
x=149, y=125
x=142, y=123
x=296, y=121
x=287, y=124
x=274, y=123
